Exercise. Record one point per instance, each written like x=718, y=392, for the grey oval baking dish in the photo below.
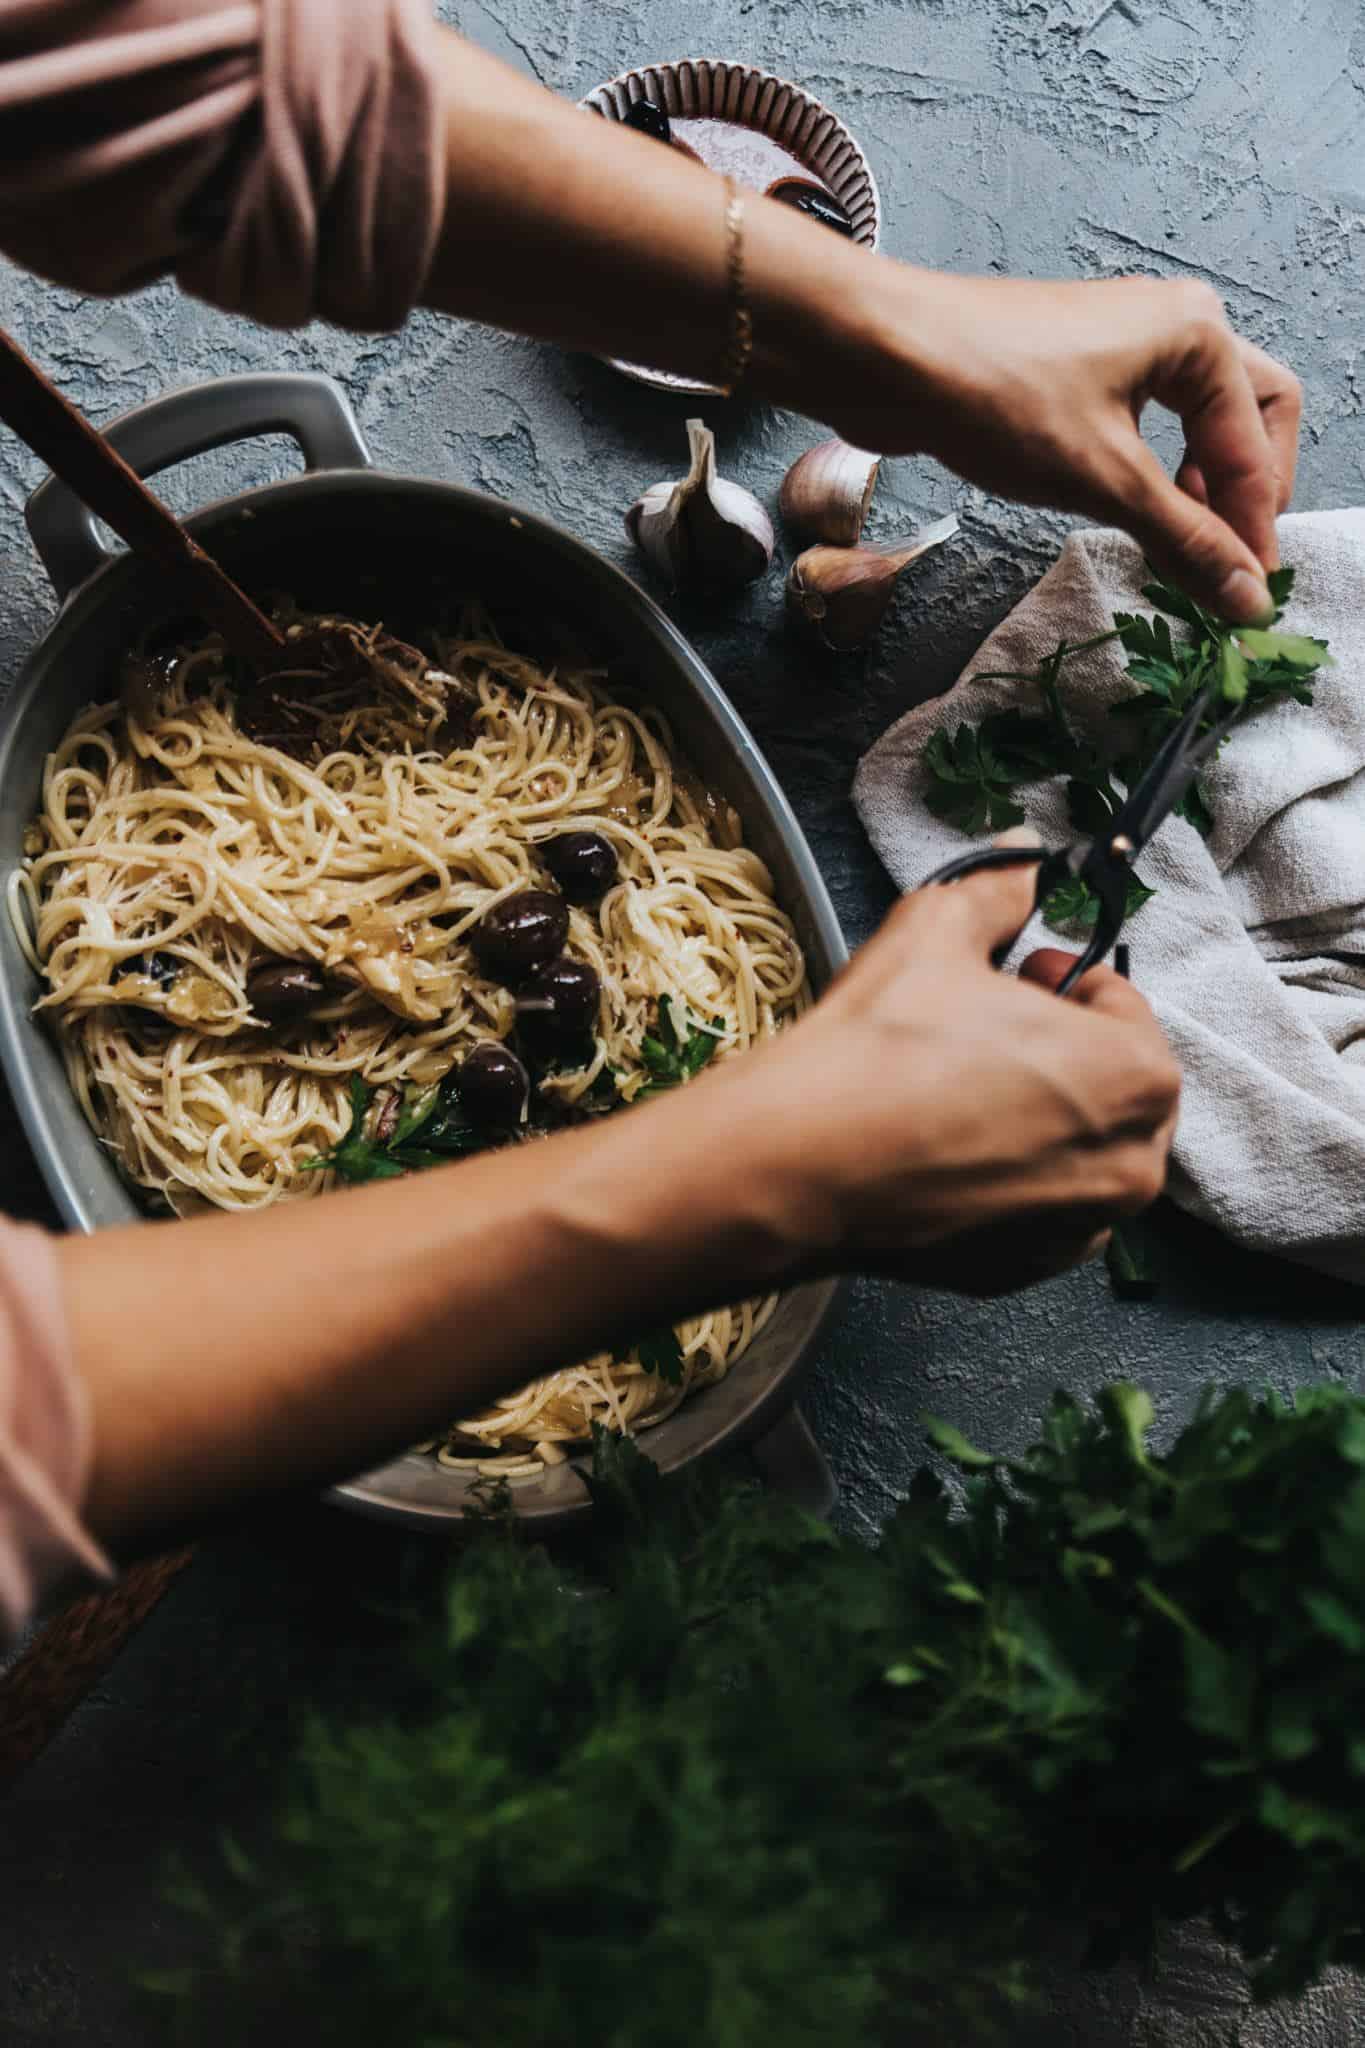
x=348, y=536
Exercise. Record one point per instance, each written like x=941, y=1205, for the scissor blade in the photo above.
x=1170, y=772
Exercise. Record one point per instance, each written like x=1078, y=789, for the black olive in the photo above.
x=814, y=203
x=149, y=1027
x=557, y=1008
x=162, y=968
x=284, y=988
x=650, y=119
x=583, y=863
x=520, y=934
x=492, y=1086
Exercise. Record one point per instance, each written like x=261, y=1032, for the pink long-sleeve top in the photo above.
x=282, y=158
x=44, y=1434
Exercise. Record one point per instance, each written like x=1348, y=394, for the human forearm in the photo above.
x=234, y=1356
x=580, y=231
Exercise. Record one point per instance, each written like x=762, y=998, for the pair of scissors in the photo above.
x=1104, y=864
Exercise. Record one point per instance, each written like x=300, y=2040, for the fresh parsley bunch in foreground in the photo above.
x=973, y=774
x=771, y=1785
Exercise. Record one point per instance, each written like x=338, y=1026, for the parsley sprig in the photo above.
x=974, y=773
x=429, y=1130
x=660, y=1352
x=677, y=1049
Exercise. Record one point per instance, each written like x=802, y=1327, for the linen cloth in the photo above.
x=44, y=1434
x=1252, y=952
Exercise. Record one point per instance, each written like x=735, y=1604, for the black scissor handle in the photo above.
x=1053, y=868
x=983, y=857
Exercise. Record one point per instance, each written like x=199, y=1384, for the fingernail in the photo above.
x=1245, y=600
x=1018, y=835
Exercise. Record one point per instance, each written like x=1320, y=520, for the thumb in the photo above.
x=991, y=908
x=1187, y=541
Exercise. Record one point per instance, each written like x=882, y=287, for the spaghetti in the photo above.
x=179, y=849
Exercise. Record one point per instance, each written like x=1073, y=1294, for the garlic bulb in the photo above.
x=843, y=592
x=702, y=529
x=827, y=491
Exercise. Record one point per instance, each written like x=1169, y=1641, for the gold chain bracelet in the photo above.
x=740, y=345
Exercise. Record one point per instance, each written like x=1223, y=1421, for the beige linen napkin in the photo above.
x=1252, y=952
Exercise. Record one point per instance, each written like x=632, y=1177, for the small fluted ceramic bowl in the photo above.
x=753, y=127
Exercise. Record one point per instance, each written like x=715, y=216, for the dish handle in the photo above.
x=793, y=1464
x=314, y=411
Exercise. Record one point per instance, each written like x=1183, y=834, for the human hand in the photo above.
x=1035, y=390
x=954, y=1125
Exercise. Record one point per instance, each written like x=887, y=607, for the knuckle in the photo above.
x=1154, y=1082
x=1123, y=470
x=1165, y=1082
x=1203, y=541
x=1202, y=306
x=1142, y=1179
x=916, y=912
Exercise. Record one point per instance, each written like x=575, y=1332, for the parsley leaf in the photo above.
x=676, y=1050
x=1074, y=902
x=1281, y=584
x=1130, y=1272
x=432, y=1113
x=972, y=775
x=1232, y=671
x=661, y=1353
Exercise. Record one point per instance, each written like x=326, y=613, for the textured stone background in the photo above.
x=1218, y=138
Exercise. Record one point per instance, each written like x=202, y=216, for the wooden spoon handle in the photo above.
x=69, y=1656
x=82, y=458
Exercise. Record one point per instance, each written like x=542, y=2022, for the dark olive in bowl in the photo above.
x=814, y=201
x=647, y=117
x=493, y=1087
x=519, y=934
x=583, y=863
x=284, y=988
x=161, y=968
x=557, y=1009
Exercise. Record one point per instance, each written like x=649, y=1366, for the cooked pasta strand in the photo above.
x=174, y=853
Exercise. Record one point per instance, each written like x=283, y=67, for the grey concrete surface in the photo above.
x=1214, y=138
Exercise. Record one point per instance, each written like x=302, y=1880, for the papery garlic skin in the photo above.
x=827, y=492
x=843, y=593
x=703, y=529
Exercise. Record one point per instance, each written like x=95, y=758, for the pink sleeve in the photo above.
x=44, y=1434
x=282, y=157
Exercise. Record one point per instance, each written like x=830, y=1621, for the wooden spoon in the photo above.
x=81, y=456
x=77, y=453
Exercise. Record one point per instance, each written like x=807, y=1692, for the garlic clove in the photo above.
x=702, y=529
x=842, y=593
x=827, y=492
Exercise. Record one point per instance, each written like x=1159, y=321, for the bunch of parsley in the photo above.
x=973, y=774
x=733, y=1778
